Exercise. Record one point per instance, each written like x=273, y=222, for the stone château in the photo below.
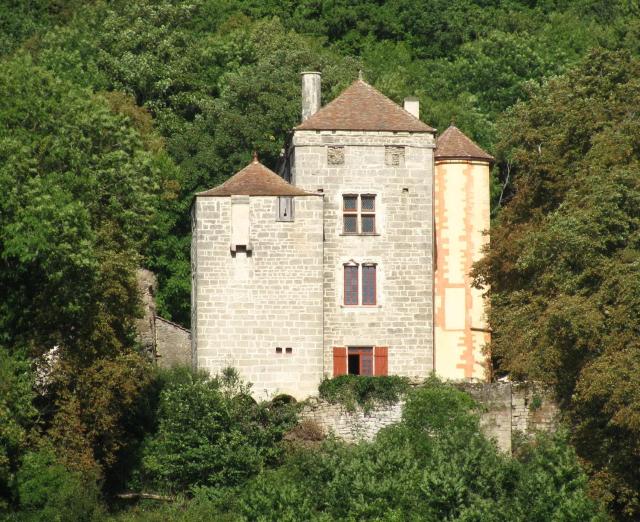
x=354, y=259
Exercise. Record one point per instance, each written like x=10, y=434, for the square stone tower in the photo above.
x=373, y=162
x=257, y=280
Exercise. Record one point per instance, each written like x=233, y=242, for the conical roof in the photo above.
x=361, y=107
x=453, y=144
x=255, y=180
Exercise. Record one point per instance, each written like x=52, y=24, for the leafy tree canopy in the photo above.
x=564, y=263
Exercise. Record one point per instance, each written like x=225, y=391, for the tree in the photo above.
x=18, y=417
x=563, y=267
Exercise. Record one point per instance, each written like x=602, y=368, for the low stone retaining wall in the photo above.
x=507, y=408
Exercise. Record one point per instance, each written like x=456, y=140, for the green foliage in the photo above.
x=211, y=433
x=563, y=268
x=432, y=466
x=48, y=491
x=80, y=202
x=352, y=390
x=17, y=417
x=221, y=78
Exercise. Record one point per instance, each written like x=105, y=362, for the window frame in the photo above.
x=279, y=214
x=359, y=214
x=374, y=284
x=347, y=287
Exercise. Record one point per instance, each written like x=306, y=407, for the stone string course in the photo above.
x=507, y=408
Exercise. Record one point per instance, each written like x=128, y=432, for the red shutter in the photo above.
x=339, y=361
x=382, y=358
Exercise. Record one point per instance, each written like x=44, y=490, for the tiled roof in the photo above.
x=453, y=144
x=361, y=107
x=255, y=180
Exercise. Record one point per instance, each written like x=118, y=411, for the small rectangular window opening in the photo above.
x=278, y=349
x=285, y=208
x=289, y=350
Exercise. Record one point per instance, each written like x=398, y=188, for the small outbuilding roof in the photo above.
x=454, y=144
x=255, y=180
x=360, y=107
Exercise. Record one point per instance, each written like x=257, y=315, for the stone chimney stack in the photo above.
x=412, y=106
x=310, y=94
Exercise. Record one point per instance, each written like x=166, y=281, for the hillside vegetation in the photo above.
x=113, y=113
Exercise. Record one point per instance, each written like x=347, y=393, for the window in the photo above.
x=359, y=214
x=368, y=284
x=351, y=284
x=360, y=360
x=353, y=275
x=285, y=208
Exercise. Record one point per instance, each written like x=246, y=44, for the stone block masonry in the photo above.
x=260, y=310
x=396, y=168
x=173, y=344
x=506, y=409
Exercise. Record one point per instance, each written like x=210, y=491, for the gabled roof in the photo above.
x=453, y=144
x=255, y=180
x=361, y=107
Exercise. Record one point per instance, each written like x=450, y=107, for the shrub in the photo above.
x=211, y=433
x=48, y=491
x=352, y=390
x=434, y=465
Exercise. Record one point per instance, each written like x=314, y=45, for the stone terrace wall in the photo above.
x=508, y=408
x=351, y=426
x=173, y=344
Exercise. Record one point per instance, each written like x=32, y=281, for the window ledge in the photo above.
x=360, y=307
x=357, y=235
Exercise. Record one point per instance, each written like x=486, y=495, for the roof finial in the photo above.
x=360, y=75
x=255, y=156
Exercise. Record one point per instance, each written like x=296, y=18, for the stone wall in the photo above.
x=145, y=325
x=173, y=344
x=398, y=169
x=507, y=408
x=260, y=311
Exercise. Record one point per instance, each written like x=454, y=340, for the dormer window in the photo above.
x=359, y=214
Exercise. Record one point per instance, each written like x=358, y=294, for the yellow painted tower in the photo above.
x=461, y=220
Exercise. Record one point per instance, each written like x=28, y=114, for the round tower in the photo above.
x=461, y=210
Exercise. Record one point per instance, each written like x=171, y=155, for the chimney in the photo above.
x=412, y=106
x=310, y=94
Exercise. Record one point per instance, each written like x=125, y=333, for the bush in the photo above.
x=352, y=390
x=211, y=433
x=47, y=491
x=434, y=465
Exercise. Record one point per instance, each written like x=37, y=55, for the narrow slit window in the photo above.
x=285, y=208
